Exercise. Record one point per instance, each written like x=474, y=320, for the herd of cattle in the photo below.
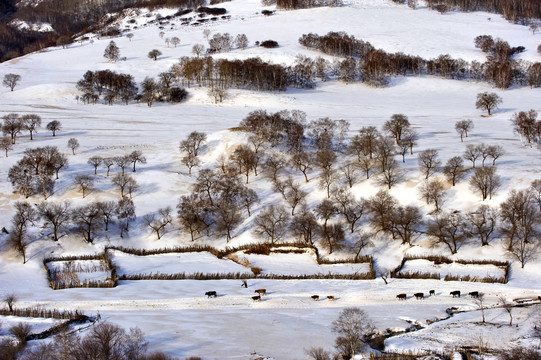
x=420, y=295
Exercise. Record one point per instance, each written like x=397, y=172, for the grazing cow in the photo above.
x=455, y=293
x=315, y=297
x=261, y=291
x=211, y=294
x=432, y=292
x=401, y=296
x=330, y=297
x=419, y=296
x=474, y=294
x=256, y=298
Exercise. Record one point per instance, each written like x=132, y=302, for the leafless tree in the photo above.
x=246, y=159
x=396, y=126
x=483, y=222
x=108, y=162
x=12, y=126
x=31, y=123
x=507, y=306
x=294, y=195
x=449, y=229
x=107, y=211
x=125, y=212
x=472, y=153
x=206, y=183
x=111, y=53
x=122, y=162
x=366, y=165
x=333, y=237
x=495, y=152
x=318, y=353
x=150, y=89
x=406, y=222
x=274, y=163
x=198, y=49
x=6, y=145
x=129, y=36
x=271, y=223
x=190, y=160
x=519, y=217
x=136, y=156
x=525, y=125
x=85, y=183
x=391, y=174
x=350, y=208
x=480, y=302
x=21, y=332
x=18, y=238
x=73, y=144
x=488, y=101
x=409, y=138
x=486, y=181
x=433, y=191
x=193, y=142
x=380, y=208
x=175, y=41
x=327, y=178
x=11, y=80
x=349, y=170
x=153, y=54
x=429, y=162
x=95, y=161
x=241, y=41
x=353, y=328
x=55, y=215
x=462, y=127
x=248, y=198
x=86, y=217
x=192, y=213
x=361, y=242
x=454, y=169
x=303, y=161
x=9, y=299
x=159, y=221
x=54, y=126
x=218, y=94
x=384, y=151
x=535, y=189
x=123, y=182
x=403, y=149
x=305, y=226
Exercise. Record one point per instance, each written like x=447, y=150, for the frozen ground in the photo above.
x=175, y=315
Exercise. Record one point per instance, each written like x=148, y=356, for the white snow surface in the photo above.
x=175, y=315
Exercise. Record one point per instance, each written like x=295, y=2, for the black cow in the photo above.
x=432, y=292
x=419, y=296
x=474, y=294
x=401, y=296
x=256, y=298
x=211, y=294
x=455, y=293
x=315, y=297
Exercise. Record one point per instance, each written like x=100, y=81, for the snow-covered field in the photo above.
x=453, y=269
x=175, y=315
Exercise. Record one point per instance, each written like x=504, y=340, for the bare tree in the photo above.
x=125, y=212
x=409, y=138
x=346, y=205
x=95, y=161
x=129, y=36
x=150, y=89
x=18, y=237
x=228, y=214
x=361, y=242
x=294, y=195
x=305, y=226
x=218, y=94
x=483, y=223
x=12, y=126
x=122, y=162
x=318, y=353
x=55, y=215
x=190, y=160
x=271, y=223
x=153, y=54
x=454, y=169
x=192, y=213
x=519, y=217
x=480, y=302
x=391, y=174
x=303, y=162
x=11, y=80
x=486, y=181
x=73, y=144
x=535, y=190
x=450, y=229
x=366, y=164
x=433, y=191
x=198, y=49
x=85, y=183
x=380, y=207
x=333, y=237
x=107, y=211
x=246, y=159
x=396, y=126
x=175, y=41
x=123, y=181
x=488, y=101
x=86, y=218
x=54, y=126
x=526, y=126
x=158, y=222
x=406, y=222
x=429, y=162
x=495, y=152
x=472, y=153
x=507, y=306
x=193, y=142
x=353, y=328
x=31, y=123
x=108, y=162
x=112, y=52
x=349, y=170
x=326, y=179
x=241, y=41
x=10, y=299
x=462, y=127
x=6, y=145
x=136, y=156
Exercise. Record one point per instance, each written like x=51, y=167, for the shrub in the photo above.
x=183, y=12
x=211, y=11
x=177, y=94
x=269, y=44
x=256, y=270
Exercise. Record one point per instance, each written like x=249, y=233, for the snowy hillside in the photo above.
x=175, y=315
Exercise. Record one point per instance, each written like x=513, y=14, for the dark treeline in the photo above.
x=305, y=4
x=67, y=19
x=374, y=66
x=252, y=73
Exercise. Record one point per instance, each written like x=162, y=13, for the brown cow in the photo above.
x=261, y=291
x=401, y=296
x=330, y=297
x=315, y=297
